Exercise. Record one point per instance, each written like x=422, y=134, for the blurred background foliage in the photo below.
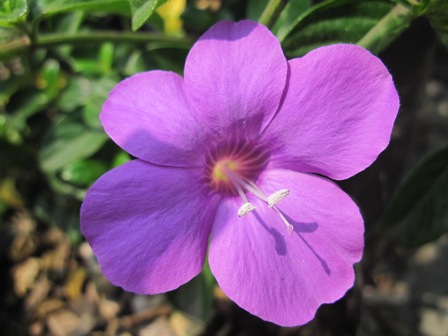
x=59, y=59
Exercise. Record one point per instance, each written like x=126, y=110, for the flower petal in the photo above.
x=284, y=278
x=148, y=226
x=337, y=115
x=148, y=116
x=235, y=75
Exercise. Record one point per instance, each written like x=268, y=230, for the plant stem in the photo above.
x=19, y=46
x=272, y=12
x=387, y=29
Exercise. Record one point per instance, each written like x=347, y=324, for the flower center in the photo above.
x=232, y=168
x=230, y=162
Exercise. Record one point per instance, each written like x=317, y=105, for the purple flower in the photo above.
x=229, y=159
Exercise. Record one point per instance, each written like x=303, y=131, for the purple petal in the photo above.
x=284, y=278
x=235, y=75
x=337, y=115
x=148, y=226
x=148, y=116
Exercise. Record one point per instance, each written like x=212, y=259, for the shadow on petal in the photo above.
x=308, y=228
x=280, y=244
x=321, y=260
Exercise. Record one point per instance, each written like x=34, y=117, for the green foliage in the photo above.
x=418, y=212
x=437, y=13
x=196, y=296
x=142, y=11
x=67, y=141
x=332, y=21
x=12, y=11
x=46, y=8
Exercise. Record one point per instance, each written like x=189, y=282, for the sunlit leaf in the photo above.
x=49, y=79
x=418, y=212
x=84, y=172
x=121, y=158
x=142, y=11
x=12, y=11
x=45, y=8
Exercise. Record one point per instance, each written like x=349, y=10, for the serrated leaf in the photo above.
x=142, y=11
x=69, y=140
x=12, y=11
x=333, y=21
x=418, y=212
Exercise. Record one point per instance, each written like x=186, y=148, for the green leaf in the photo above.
x=106, y=57
x=68, y=141
x=332, y=21
x=418, y=212
x=12, y=11
x=83, y=173
x=293, y=10
x=89, y=94
x=46, y=8
x=196, y=297
x=98, y=95
x=68, y=23
x=31, y=102
x=255, y=8
x=142, y=10
x=49, y=78
x=437, y=13
x=387, y=29
x=121, y=158
x=76, y=94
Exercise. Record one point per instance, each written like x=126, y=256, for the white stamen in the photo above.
x=276, y=197
x=245, y=209
x=288, y=225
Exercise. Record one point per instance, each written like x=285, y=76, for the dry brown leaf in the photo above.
x=38, y=293
x=159, y=327
x=24, y=275
x=49, y=306
x=75, y=283
x=63, y=323
x=24, y=240
x=185, y=325
x=56, y=260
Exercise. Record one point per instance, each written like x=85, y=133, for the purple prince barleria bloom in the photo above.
x=230, y=159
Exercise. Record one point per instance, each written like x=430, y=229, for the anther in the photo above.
x=245, y=209
x=276, y=197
